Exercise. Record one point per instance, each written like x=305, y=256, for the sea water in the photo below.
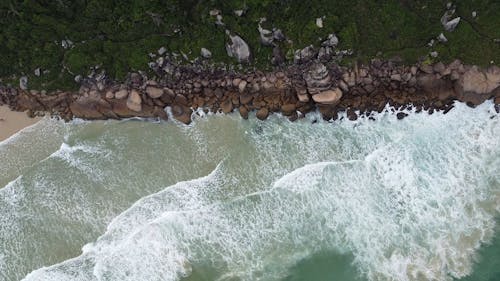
x=232, y=199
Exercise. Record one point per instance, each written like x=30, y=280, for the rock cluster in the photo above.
x=293, y=91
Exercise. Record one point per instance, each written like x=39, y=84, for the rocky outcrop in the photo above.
x=293, y=91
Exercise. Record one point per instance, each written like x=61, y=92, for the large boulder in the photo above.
x=330, y=97
x=317, y=78
x=91, y=108
x=134, y=101
x=477, y=85
x=238, y=49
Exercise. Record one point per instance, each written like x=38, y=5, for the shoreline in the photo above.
x=11, y=122
x=293, y=91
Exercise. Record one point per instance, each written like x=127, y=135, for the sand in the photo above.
x=12, y=122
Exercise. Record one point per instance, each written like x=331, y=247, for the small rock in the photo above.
x=239, y=13
x=396, y=77
x=227, y=106
x=23, y=83
x=441, y=38
x=205, y=53
x=38, y=72
x=434, y=54
x=319, y=22
x=401, y=115
x=332, y=41
x=474, y=14
x=162, y=51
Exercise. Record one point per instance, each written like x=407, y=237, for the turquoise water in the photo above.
x=230, y=199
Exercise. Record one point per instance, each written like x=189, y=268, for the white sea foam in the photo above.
x=410, y=199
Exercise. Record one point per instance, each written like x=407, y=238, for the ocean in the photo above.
x=232, y=199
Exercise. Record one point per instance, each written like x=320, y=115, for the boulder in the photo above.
x=262, y=113
x=475, y=85
x=226, y=106
x=92, y=108
x=121, y=94
x=317, y=78
x=242, y=85
x=288, y=109
x=134, y=101
x=330, y=97
x=238, y=49
x=305, y=55
x=182, y=113
x=243, y=112
x=154, y=92
x=205, y=53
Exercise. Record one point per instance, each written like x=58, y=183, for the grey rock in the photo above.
x=305, y=54
x=162, y=51
x=266, y=36
x=205, y=53
x=238, y=49
x=278, y=34
x=38, y=72
x=441, y=38
x=317, y=78
x=23, y=83
x=331, y=41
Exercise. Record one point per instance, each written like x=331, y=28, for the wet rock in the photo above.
x=243, y=112
x=160, y=113
x=288, y=109
x=154, y=92
x=262, y=113
x=182, y=113
x=91, y=108
x=401, y=115
x=134, y=101
x=475, y=85
x=302, y=95
x=330, y=97
x=238, y=49
x=227, y=106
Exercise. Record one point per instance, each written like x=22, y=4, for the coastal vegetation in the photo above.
x=51, y=42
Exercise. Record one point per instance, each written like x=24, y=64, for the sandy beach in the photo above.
x=12, y=122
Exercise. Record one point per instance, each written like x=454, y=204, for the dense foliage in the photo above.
x=118, y=35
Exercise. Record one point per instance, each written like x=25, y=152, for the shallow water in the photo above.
x=230, y=199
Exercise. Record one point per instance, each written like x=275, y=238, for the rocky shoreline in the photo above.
x=292, y=91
